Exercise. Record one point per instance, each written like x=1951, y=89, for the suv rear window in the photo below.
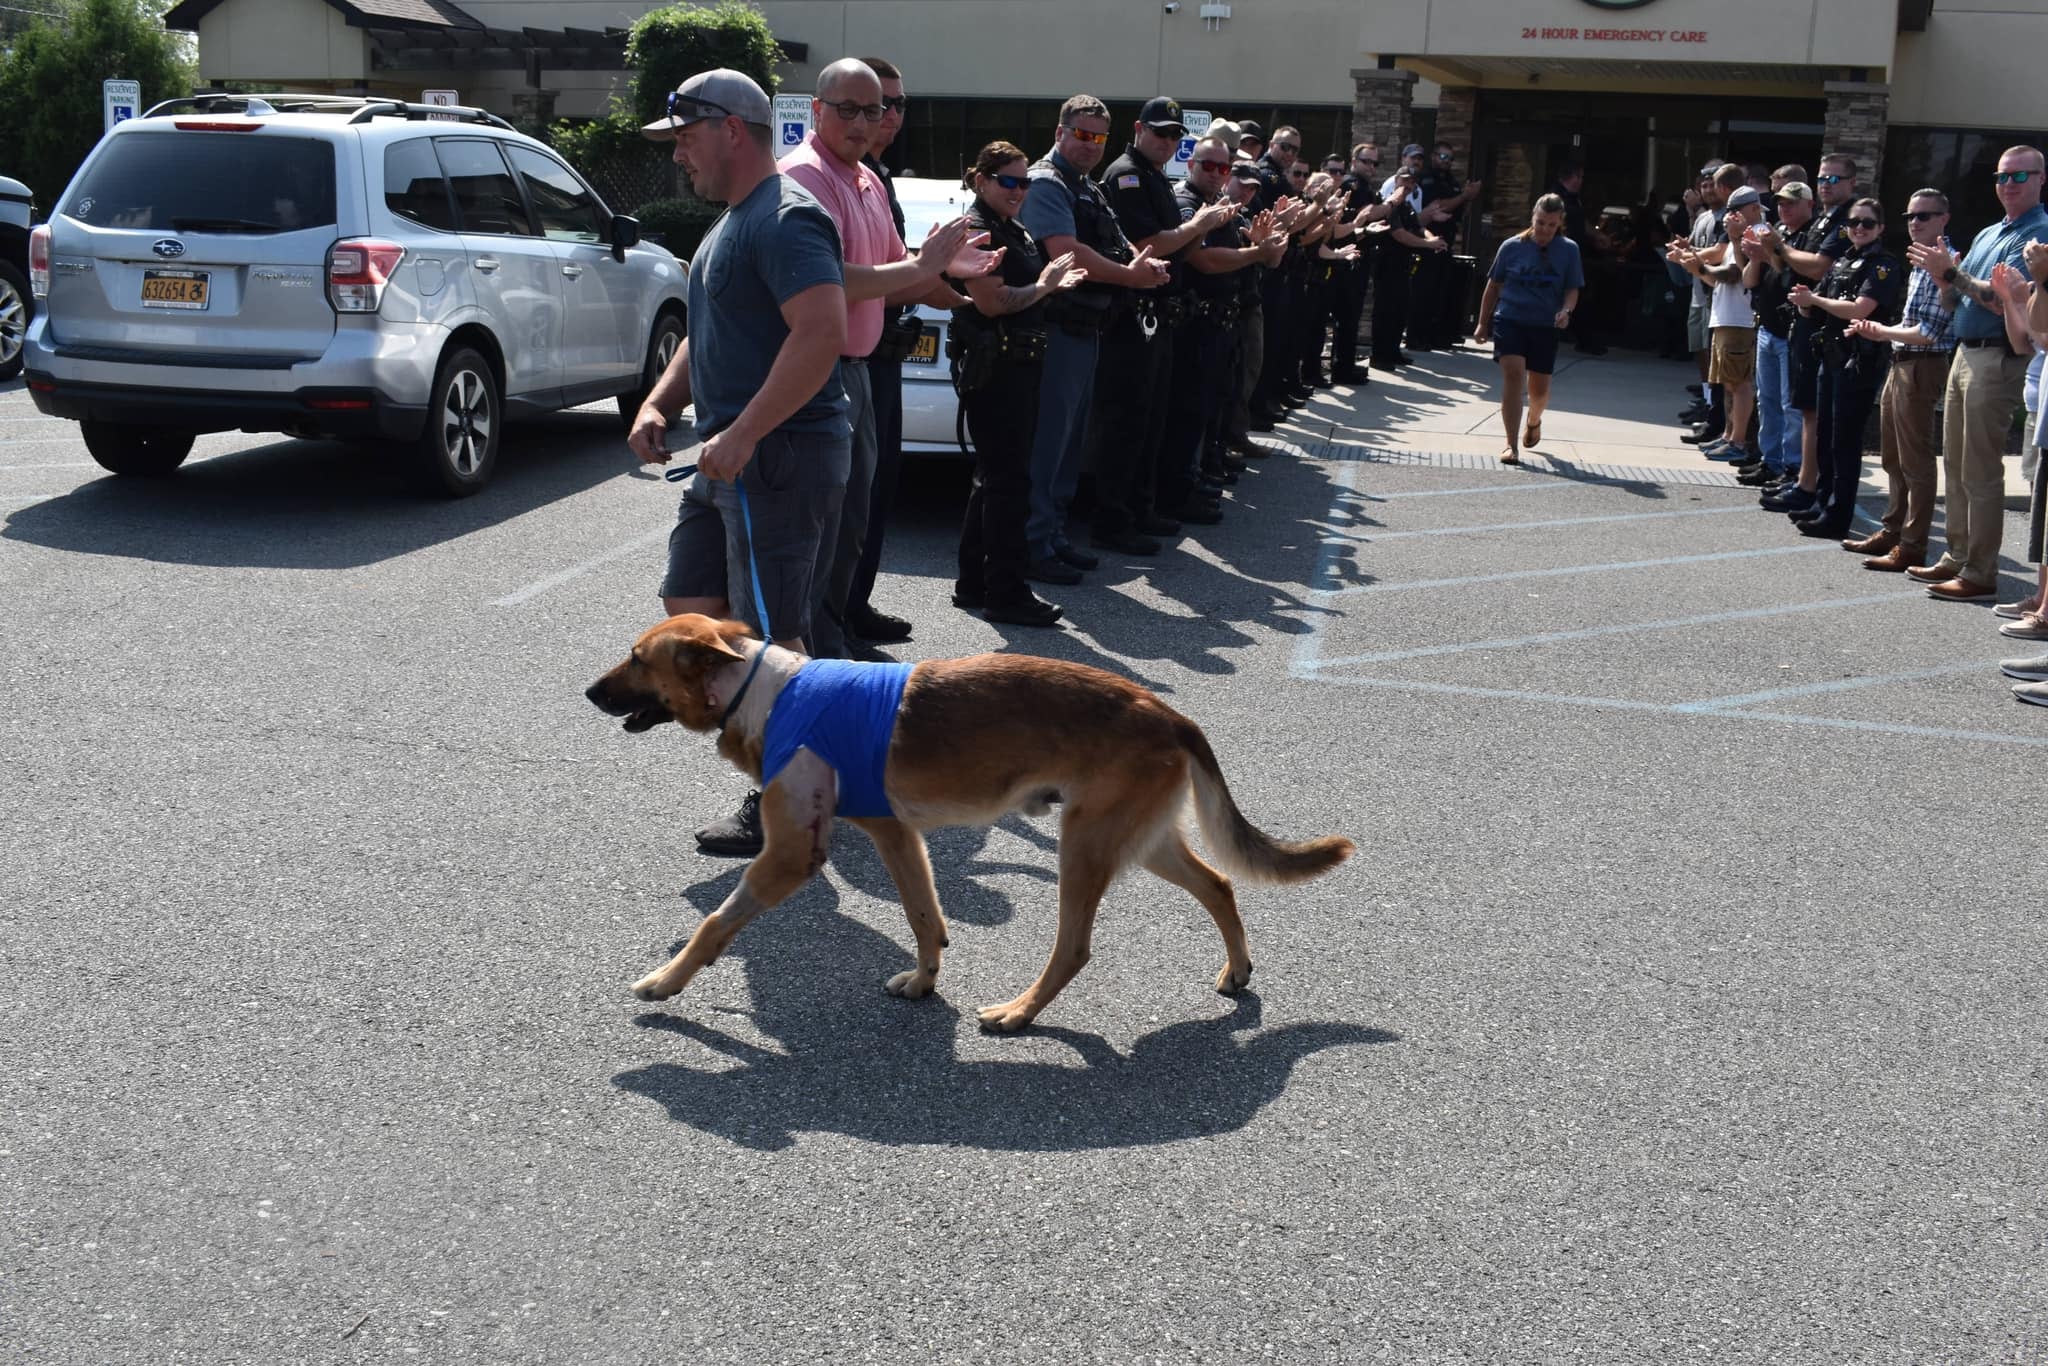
x=195, y=182
x=487, y=198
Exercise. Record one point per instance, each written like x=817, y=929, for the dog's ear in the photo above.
x=730, y=633
x=702, y=653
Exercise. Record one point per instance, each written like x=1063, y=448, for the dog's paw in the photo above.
x=912, y=985
x=650, y=988
x=1231, y=980
x=1006, y=1018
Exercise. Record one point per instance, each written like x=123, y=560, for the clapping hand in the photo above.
x=1264, y=226
x=1869, y=329
x=1935, y=259
x=2036, y=257
x=1151, y=273
x=1347, y=252
x=974, y=259
x=1061, y=273
x=2010, y=284
x=1801, y=296
x=1215, y=214
x=944, y=242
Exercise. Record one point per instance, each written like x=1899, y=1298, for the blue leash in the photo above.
x=677, y=476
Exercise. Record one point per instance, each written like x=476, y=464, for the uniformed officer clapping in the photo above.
x=1067, y=212
x=1139, y=483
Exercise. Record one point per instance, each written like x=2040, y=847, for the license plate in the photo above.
x=926, y=352
x=174, y=289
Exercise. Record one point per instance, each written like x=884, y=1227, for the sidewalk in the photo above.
x=1613, y=412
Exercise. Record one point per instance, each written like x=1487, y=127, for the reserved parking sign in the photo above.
x=1197, y=122
x=792, y=122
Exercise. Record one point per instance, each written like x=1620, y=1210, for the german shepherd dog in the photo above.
x=972, y=740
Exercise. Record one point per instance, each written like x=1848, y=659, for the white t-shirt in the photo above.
x=1731, y=307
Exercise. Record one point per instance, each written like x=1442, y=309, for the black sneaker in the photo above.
x=1763, y=476
x=879, y=627
x=969, y=600
x=1050, y=570
x=1029, y=610
x=738, y=835
x=1080, y=559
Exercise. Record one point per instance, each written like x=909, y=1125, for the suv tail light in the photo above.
x=358, y=268
x=39, y=262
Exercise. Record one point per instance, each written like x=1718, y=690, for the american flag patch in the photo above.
x=1127, y=182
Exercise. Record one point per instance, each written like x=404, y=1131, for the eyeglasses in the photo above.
x=1011, y=182
x=1083, y=135
x=2014, y=177
x=897, y=103
x=849, y=111
x=1365, y=162
x=1213, y=165
x=1297, y=175
x=1829, y=179
x=1867, y=224
x=1923, y=215
x=684, y=109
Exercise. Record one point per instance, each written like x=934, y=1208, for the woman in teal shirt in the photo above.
x=1530, y=294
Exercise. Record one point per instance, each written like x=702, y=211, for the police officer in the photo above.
x=1282, y=368
x=1143, y=483
x=1444, y=197
x=998, y=348
x=1866, y=281
x=1393, y=264
x=1240, y=421
x=1092, y=339
x=1811, y=253
x=1361, y=185
x=1215, y=265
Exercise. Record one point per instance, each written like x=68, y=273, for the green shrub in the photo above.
x=679, y=223
x=672, y=44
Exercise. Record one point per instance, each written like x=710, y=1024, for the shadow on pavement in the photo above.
x=292, y=504
x=854, y=1061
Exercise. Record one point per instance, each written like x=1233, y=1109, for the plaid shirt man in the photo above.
x=1924, y=312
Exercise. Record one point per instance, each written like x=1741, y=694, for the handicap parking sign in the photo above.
x=792, y=134
x=123, y=111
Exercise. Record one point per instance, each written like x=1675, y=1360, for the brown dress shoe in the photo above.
x=1940, y=571
x=1871, y=545
x=1896, y=559
x=1962, y=590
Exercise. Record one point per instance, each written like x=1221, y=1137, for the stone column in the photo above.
x=1380, y=108
x=1455, y=110
x=1855, y=125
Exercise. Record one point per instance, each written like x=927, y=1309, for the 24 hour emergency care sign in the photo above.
x=1534, y=33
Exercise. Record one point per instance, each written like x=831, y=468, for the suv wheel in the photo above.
x=14, y=310
x=458, y=451
x=126, y=448
x=661, y=349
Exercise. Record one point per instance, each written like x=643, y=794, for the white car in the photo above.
x=930, y=407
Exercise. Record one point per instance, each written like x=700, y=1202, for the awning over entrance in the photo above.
x=1593, y=73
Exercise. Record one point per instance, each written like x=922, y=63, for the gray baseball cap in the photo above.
x=712, y=95
x=1744, y=197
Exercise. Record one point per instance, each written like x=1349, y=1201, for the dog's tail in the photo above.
x=1242, y=848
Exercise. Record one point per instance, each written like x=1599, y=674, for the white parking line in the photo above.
x=1524, y=487
x=1516, y=575
x=535, y=589
x=1563, y=521
x=1712, y=704
x=1617, y=629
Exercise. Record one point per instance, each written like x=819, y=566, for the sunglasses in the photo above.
x=2014, y=177
x=1867, y=224
x=1011, y=182
x=849, y=111
x=1213, y=165
x=1287, y=147
x=1364, y=161
x=1829, y=179
x=1923, y=215
x=1297, y=175
x=1083, y=135
x=897, y=103
x=684, y=109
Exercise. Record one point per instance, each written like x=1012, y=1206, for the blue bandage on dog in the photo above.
x=845, y=713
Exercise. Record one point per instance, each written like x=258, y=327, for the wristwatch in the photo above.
x=1948, y=277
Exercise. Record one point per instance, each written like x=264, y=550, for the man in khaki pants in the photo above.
x=1985, y=382
x=1922, y=346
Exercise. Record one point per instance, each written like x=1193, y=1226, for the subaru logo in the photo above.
x=170, y=248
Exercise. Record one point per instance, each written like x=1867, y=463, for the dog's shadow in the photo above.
x=848, y=1059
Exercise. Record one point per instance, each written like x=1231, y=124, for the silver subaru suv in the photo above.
x=330, y=266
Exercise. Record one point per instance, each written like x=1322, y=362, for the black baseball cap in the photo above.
x=1246, y=128
x=1161, y=113
x=1244, y=170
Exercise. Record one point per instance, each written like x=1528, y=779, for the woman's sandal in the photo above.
x=1532, y=433
x=1510, y=458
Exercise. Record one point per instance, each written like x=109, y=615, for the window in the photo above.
x=487, y=198
x=567, y=210
x=174, y=182
x=414, y=187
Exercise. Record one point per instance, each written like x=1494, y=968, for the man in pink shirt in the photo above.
x=845, y=117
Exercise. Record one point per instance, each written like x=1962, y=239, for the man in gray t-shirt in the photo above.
x=767, y=326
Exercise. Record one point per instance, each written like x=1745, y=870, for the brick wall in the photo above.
x=1382, y=107
x=1855, y=124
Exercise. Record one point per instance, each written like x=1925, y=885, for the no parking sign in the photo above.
x=1196, y=121
x=792, y=122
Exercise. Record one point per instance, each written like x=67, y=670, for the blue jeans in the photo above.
x=1779, y=426
x=1066, y=382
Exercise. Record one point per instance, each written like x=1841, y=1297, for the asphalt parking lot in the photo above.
x=1684, y=1001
